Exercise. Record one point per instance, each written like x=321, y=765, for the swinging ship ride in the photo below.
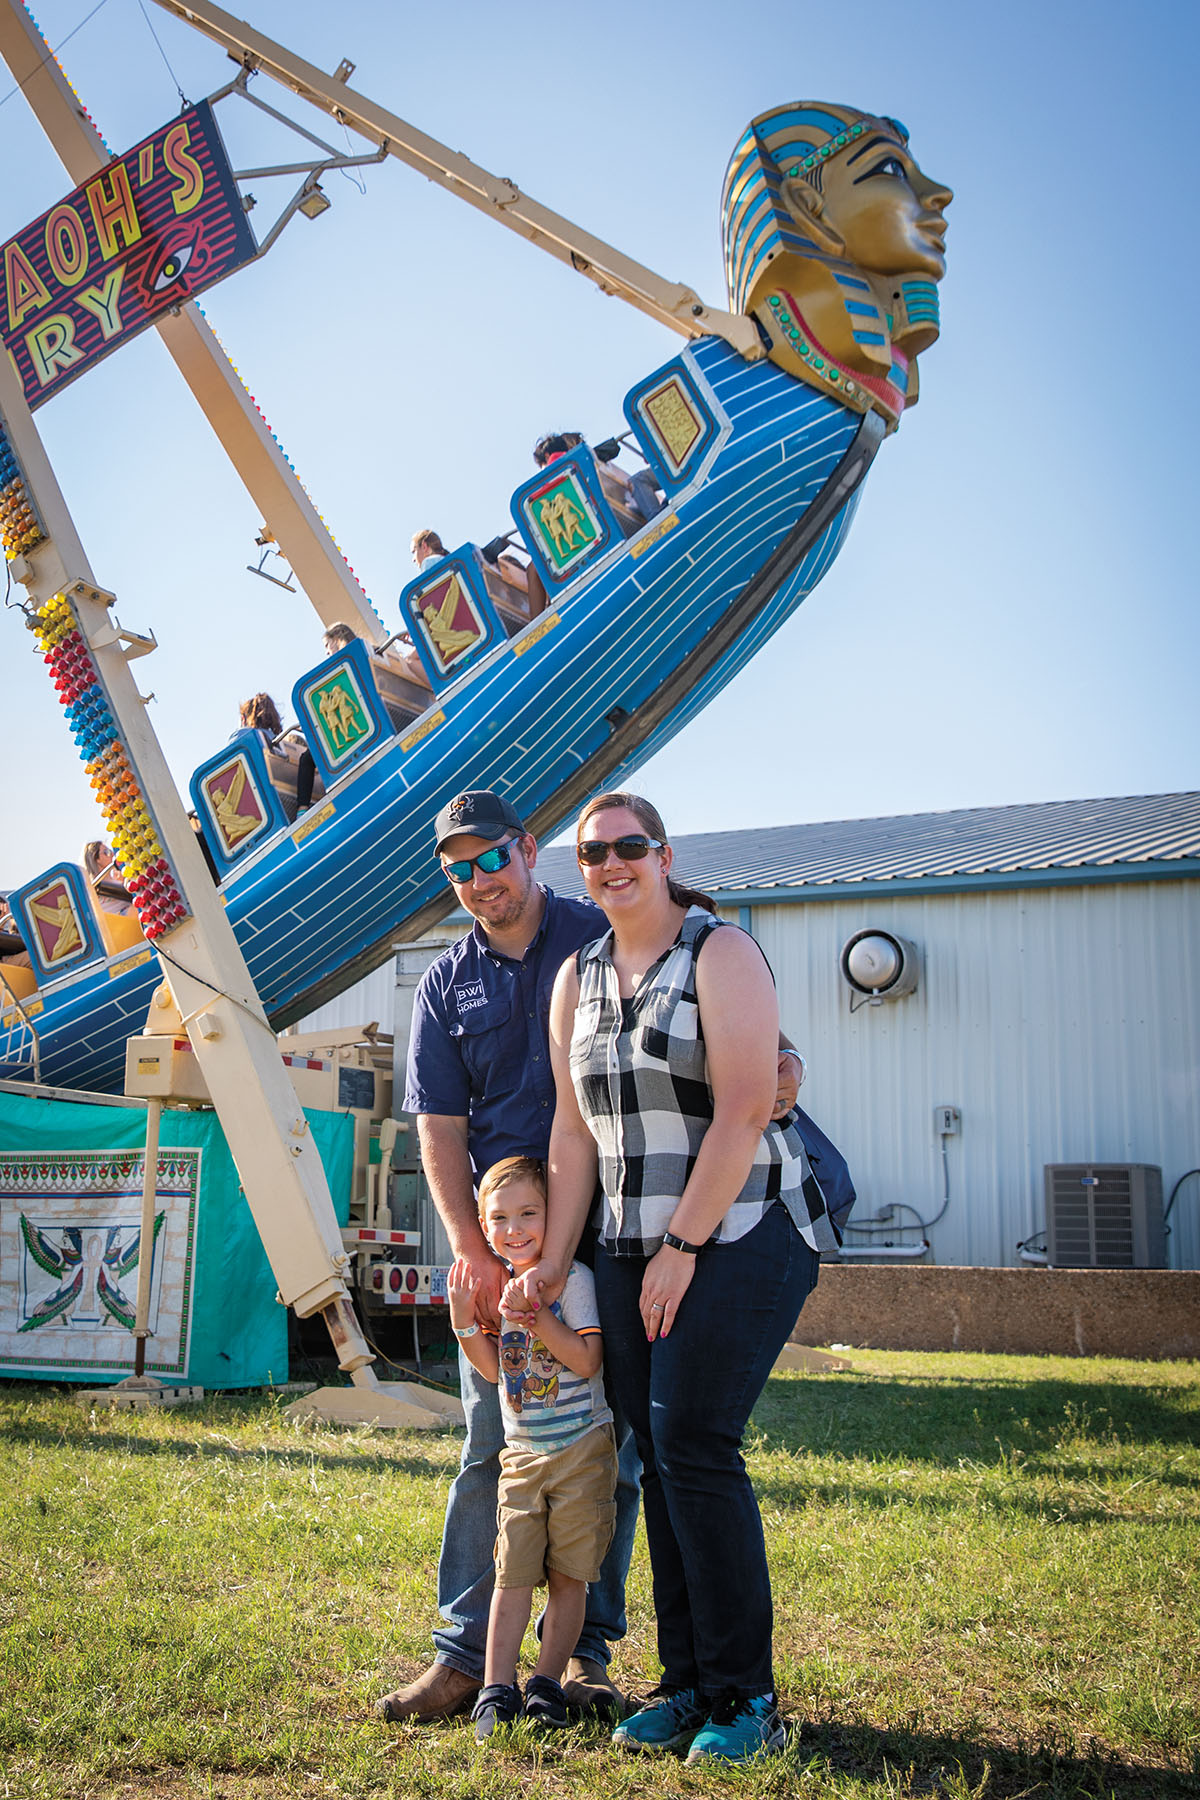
x=545, y=675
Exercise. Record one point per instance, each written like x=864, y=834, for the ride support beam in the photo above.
x=671, y=303
x=269, y=1138
x=243, y=433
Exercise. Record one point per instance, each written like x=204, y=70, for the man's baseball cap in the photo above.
x=477, y=813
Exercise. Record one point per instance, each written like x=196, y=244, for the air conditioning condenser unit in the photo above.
x=1104, y=1216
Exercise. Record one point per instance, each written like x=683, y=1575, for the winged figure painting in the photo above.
x=89, y=1265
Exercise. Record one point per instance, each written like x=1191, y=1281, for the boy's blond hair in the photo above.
x=508, y=1170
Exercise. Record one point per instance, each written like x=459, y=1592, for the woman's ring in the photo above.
x=656, y=1306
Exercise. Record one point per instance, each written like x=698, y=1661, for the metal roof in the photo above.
x=1138, y=837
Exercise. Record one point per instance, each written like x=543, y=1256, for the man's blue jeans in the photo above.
x=688, y=1398
x=465, y=1567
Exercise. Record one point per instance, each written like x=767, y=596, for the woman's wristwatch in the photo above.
x=677, y=1243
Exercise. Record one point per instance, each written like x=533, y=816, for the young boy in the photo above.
x=559, y=1462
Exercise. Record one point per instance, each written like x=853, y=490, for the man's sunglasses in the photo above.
x=594, y=851
x=498, y=857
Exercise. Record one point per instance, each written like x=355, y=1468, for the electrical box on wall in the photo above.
x=947, y=1121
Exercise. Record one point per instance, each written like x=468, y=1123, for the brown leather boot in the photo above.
x=440, y=1693
x=588, y=1689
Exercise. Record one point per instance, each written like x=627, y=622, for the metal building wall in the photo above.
x=1064, y=1022
x=372, y=998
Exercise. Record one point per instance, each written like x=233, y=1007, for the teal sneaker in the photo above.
x=669, y=1719
x=739, y=1728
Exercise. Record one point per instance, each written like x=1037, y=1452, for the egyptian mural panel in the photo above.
x=154, y=228
x=70, y=1248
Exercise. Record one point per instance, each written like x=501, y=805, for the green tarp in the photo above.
x=70, y=1205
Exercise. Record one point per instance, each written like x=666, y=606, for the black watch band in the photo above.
x=677, y=1243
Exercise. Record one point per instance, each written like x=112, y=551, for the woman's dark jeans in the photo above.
x=688, y=1398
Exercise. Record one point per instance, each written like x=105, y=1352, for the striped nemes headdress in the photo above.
x=795, y=140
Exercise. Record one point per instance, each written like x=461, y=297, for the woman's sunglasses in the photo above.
x=498, y=857
x=594, y=851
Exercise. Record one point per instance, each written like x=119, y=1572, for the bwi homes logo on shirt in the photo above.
x=470, y=996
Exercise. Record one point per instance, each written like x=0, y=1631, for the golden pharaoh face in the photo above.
x=835, y=242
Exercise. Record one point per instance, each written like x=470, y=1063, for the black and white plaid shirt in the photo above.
x=641, y=1079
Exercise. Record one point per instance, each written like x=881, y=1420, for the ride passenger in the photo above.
x=641, y=495
x=661, y=1035
x=260, y=714
x=558, y=1467
x=400, y=655
x=103, y=877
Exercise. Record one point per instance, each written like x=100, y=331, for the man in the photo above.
x=480, y=1083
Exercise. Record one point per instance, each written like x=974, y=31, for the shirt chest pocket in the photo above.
x=668, y=1031
x=484, y=1037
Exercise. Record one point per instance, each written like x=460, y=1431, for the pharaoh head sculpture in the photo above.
x=835, y=242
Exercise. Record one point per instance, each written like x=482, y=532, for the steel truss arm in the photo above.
x=669, y=302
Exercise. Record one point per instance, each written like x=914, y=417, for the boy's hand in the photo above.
x=487, y=1275
x=462, y=1287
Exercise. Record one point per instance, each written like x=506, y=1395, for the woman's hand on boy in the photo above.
x=540, y=1284
x=516, y=1305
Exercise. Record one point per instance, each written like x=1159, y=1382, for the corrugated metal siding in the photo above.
x=371, y=999
x=1062, y=1021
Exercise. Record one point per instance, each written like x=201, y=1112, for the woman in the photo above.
x=261, y=714
x=100, y=867
x=663, y=1037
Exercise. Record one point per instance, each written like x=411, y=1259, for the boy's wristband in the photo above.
x=464, y=1331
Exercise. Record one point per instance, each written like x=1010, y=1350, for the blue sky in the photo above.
x=1014, y=615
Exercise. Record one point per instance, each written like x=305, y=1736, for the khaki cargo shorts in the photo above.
x=557, y=1511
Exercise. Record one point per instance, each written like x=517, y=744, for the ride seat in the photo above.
x=515, y=591
x=16, y=981
x=120, y=931
x=284, y=771
x=619, y=495
x=403, y=698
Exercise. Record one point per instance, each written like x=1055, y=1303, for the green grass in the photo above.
x=986, y=1571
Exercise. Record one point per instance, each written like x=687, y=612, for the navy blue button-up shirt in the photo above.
x=480, y=1045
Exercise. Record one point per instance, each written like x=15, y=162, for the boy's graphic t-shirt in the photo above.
x=543, y=1404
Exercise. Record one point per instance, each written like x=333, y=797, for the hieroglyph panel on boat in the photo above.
x=70, y=1246
x=567, y=526
x=669, y=411
x=56, y=920
x=445, y=615
x=234, y=806
x=154, y=228
x=340, y=715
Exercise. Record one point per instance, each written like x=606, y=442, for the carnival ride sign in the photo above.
x=152, y=229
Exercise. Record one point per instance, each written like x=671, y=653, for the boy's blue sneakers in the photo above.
x=669, y=1719
x=739, y=1728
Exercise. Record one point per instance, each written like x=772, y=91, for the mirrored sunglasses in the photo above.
x=498, y=857
x=594, y=851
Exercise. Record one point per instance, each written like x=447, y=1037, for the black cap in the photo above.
x=477, y=813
